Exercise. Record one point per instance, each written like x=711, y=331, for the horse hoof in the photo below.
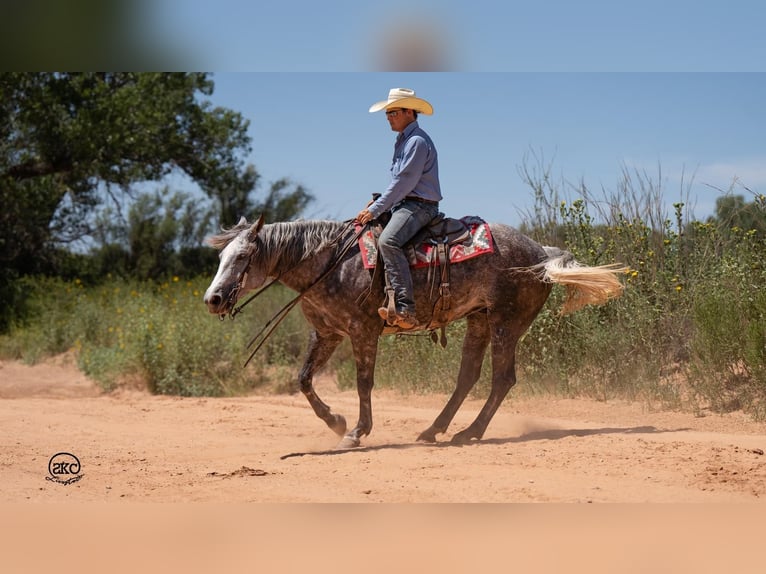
x=347, y=442
x=339, y=425
x=463, y=437
x=427, y=436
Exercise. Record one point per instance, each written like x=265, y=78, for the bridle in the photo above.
x=231, y=301
x=280, y=315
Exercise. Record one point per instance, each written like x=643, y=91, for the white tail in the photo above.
x=584, y=285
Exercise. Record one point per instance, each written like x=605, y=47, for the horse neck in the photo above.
x=295, y=249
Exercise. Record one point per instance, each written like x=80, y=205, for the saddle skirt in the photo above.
x=466, y=237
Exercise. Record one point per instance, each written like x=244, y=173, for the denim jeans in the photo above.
x=407, y=218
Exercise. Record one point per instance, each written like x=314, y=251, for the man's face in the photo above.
x=399, y=118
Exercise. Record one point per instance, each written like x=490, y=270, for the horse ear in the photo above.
x=255, y=228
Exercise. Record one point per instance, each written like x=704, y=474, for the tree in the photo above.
x=66, y=139
x=162, y=235
x=282, y=202
x=733, y=211
x=63, y=135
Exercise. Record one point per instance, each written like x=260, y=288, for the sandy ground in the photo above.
x=137, y=447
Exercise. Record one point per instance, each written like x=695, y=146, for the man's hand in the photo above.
x=364, y=216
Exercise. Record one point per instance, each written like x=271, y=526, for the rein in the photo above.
x=240, y=284
x=264, y=334
x=238, y=309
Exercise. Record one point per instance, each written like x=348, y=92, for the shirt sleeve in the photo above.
x=405, y=176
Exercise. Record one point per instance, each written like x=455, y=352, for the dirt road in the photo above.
x=136, y=447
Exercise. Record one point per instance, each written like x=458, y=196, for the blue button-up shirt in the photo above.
x=414, y=170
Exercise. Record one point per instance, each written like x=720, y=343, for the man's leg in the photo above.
x=406, y=220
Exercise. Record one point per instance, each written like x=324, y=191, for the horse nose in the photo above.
x=213, y=301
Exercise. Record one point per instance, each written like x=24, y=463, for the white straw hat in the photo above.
x=403, y=98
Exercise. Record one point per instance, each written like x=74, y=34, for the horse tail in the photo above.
x=584, y=285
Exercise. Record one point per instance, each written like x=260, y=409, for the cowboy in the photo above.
x=412, y=197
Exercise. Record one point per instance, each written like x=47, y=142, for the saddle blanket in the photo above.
x=426, y=254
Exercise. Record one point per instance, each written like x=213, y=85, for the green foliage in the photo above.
x=734, y=213
x=160, y=333
x=283, y=202
x=688, y=329
x=162, y=236
x=64, y=136
x=71, y=142
x=729, y=343
x=118, y=128
x=688, y=332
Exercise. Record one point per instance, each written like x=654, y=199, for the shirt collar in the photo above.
x=410, y=128
x=407, y=132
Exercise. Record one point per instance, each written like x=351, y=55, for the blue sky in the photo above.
x=315, y=129
x=475, y=35
x=670, y=88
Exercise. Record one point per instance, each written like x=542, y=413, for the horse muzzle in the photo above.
x=218, y=303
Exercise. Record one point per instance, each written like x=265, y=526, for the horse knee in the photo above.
x=305, y=382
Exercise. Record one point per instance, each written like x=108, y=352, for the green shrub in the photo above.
x=160, y=332
x=689, y=330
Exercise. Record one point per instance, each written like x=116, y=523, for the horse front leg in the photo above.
x=364, y=354
x=321, y=348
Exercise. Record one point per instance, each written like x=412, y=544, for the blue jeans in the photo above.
x=407, y=218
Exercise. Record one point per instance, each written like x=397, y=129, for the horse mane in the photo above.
x=221, y=240
x=289, y=241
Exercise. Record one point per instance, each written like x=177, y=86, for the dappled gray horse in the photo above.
x=499, y=294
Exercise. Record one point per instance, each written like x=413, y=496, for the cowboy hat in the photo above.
x=403, y=98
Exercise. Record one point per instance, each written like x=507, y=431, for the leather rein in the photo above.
x=280, y=315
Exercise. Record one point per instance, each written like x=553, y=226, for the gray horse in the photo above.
x=499, y=294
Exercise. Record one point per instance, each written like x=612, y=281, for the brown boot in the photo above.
x=406, y=320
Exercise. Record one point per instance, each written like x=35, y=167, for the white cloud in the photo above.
x=699, y=185
x=750, y=173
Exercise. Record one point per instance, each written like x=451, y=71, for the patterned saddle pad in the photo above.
x=426, y=253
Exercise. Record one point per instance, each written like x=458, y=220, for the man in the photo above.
x=412, y=196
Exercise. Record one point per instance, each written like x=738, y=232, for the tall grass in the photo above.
x=688, y=332
x=689, y=329
x=160, y=333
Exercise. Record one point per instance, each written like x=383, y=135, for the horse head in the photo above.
x=237, y=270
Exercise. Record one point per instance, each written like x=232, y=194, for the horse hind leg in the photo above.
x=506, y=323
x=501, y=384
x=320, y=350
x=475, y=344
x=503, y=379
x=505, y=336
